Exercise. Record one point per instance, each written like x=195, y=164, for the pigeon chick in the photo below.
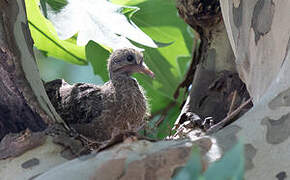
x=97, y=111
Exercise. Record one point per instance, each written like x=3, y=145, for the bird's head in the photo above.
x=126, y=62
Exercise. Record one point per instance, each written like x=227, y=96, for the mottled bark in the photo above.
x=259, y=33
x=23, y=101
x=131, y=160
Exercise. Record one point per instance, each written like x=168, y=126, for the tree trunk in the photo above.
x=24, y=104
x=259, y=32
x=23, y=101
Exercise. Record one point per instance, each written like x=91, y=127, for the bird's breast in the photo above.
x=133, y=101
x=130, y=104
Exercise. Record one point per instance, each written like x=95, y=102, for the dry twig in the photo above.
x=233, y=102
x=228, y=119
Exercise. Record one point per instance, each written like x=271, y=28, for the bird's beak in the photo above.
x=142, y=68
x=139, y=67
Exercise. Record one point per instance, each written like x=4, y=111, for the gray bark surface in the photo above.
x=259, y=33
x=131, y=160
x=23, y=101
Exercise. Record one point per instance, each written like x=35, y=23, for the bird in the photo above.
x=98, y=111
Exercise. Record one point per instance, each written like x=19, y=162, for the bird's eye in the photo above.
x=130, y=58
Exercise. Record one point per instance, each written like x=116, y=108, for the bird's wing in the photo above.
x=78, y=103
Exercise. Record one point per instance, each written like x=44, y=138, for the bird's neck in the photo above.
x=123, y=81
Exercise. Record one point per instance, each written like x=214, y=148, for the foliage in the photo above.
x=100, y=21
x=93, y=50
x=46, y=39
x=231, y=166
x=157, y=18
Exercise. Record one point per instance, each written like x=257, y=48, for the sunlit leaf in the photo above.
x=46, y=39
x=56, y=5
x=183, y=64
x=100, y=21
x=165, y=128
x=96, y=55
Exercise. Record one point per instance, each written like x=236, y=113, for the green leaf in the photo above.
x=183, y=64
x=96, y=55
x=56, y=5
x=43, y=7
x=46, y=39
x=129, y=11
x=167, y=124
x=193, y=167
x=231, y=166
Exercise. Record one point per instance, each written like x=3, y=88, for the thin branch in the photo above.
x=162, y=110
x=228, y=119
x=190, y=72
x=232, y=103
x=164, y=113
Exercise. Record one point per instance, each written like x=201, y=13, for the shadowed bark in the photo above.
x=216, y=88
x=23, y=101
